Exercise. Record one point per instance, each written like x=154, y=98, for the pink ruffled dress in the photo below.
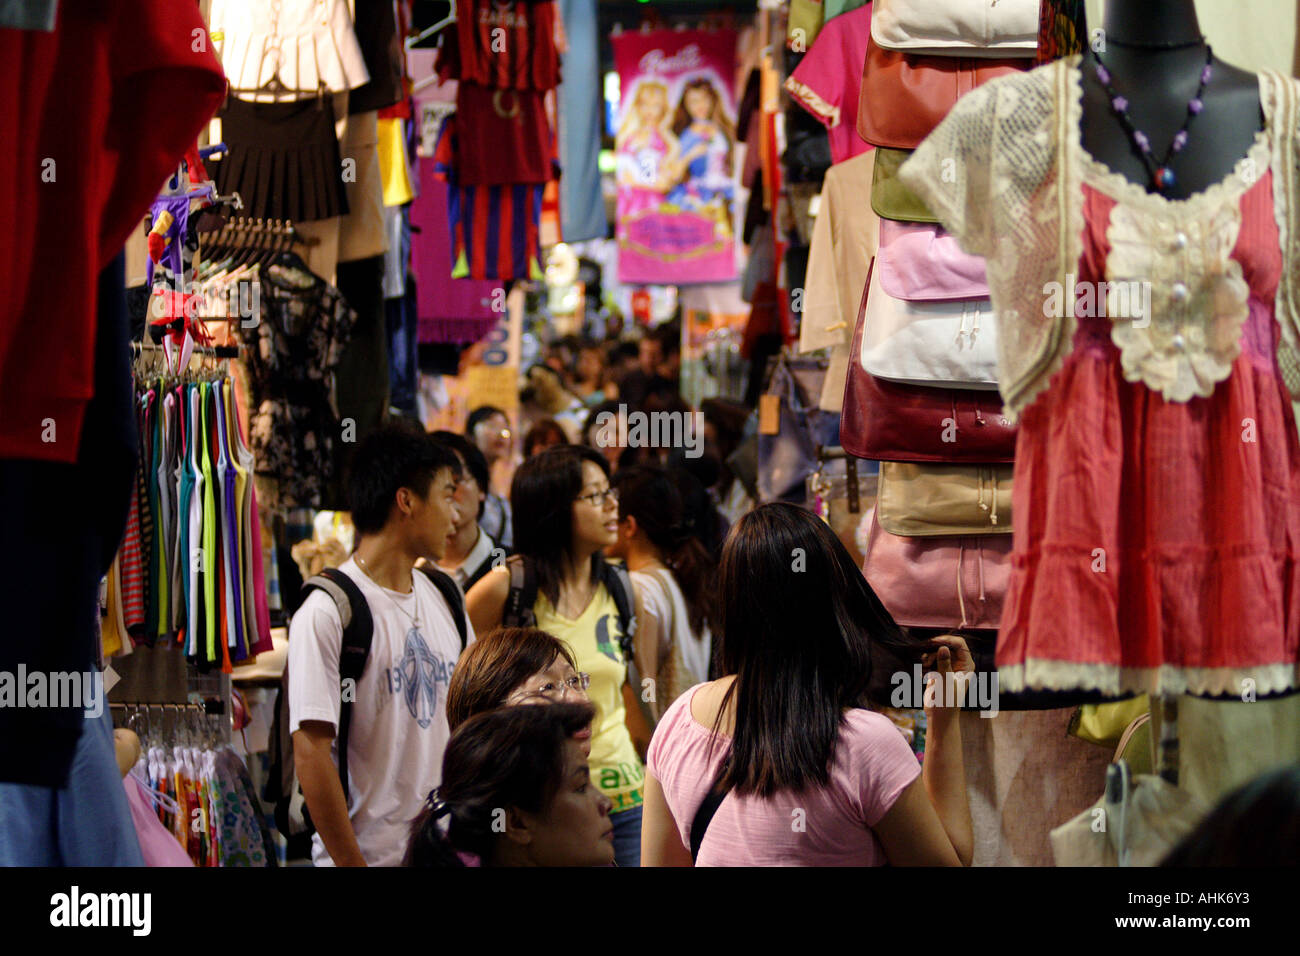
x=1155, y=539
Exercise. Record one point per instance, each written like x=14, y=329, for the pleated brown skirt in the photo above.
x=283, y=159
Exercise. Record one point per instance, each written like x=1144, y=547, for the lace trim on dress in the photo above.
x=1176, y=298
x=1045, y=674
x=1004, y=172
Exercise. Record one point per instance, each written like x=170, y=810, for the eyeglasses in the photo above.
x=597, y=498
x=554, y=690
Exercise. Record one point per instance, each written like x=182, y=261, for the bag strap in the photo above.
x=704, y=815
x=451, y=593
x=358, y=633
x=619, y=584
x=522, y=595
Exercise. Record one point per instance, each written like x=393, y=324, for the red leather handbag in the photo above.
x=903, y=96
x=888, y=421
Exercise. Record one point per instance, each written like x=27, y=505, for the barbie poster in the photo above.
x=675, y=146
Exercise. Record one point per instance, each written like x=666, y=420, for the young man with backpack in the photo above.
x=371, y=652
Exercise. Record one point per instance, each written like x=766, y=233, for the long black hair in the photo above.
x=652, y=496
x=797, y=623
x=510, y=758
x=541, y=499
x=1258, y=824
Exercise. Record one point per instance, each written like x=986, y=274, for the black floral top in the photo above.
x=303, y=326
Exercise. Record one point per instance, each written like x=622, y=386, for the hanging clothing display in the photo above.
x=581, y=122
x=283, y=159
x=1165, y=517
x=292, y=353
x=206, y=803
x=495, y=230
x=74, y=203
x=189, y=569
x=288, y=49
x=826, y=81
x=504, y=44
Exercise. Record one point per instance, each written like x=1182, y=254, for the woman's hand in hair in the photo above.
x=951, y=656
x=961, y=659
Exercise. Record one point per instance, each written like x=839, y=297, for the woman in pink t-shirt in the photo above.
x=811, y=777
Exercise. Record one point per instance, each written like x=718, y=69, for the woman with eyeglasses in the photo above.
x=515, y=665
x=565, y=515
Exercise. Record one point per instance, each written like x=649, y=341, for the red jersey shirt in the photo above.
x=508, y=44
x=96, y=116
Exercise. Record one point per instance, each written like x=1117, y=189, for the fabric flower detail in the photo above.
x=1186, y=343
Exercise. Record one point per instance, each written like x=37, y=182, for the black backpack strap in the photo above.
x=451, y=593
x=522, y=595
x=704, y=815
x=358, y=633
x=619, y=584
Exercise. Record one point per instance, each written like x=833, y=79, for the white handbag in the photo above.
x=939, y=344
x=984, y=28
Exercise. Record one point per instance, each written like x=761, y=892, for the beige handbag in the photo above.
x=925, y=500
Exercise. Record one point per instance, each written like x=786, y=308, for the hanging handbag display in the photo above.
x=952, y=582
x=787, y=458
x=1002, y=28
x=921, y=262
x=903, y=96
x=886, y=421
x=890, y=199
x=938, y=344
x=927, y=501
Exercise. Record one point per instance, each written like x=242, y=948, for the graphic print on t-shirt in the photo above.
x=420, y=678
x=604, y=644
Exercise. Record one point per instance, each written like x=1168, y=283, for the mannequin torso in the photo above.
x=1158, y=84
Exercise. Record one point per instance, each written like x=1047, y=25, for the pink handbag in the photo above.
x=939, y=582
x=920, y=262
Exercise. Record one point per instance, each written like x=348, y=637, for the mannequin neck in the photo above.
x=1155, y=23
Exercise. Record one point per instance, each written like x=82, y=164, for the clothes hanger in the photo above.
x=436, y=28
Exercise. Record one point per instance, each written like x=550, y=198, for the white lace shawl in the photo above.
x=1004, y=173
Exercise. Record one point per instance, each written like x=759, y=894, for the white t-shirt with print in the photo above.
x=399, y=725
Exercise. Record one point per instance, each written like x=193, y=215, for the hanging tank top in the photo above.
x=594, y=639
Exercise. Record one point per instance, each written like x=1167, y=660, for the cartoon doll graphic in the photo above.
x=703, y=171
x=646, y=150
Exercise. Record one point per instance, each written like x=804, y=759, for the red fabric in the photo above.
x=508, y=44
x=113, y=98
x=508, y=141
x=1198, y=525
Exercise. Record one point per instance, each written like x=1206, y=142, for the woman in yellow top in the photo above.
x=565, y=514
